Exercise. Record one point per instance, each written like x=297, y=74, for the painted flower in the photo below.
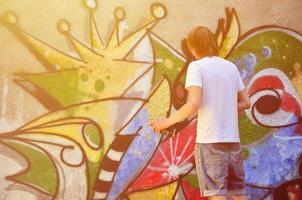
x=173, y=159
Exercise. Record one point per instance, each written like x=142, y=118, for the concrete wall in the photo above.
x=74, y=108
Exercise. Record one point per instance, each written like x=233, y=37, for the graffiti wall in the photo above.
x=78, y=88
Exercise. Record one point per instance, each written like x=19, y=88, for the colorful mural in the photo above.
x=95, y=143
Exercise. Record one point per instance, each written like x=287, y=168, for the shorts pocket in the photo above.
x=216, y=172
x=216, y=166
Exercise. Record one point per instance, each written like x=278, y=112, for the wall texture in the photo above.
x=79, y=81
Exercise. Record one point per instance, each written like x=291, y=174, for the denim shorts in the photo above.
x=219, y=168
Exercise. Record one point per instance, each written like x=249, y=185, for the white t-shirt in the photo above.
x=218, y=112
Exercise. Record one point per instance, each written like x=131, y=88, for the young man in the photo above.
x=217, y=94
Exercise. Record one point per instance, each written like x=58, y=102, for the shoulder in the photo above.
x=194, y=65
x=230, y=64
x=198, y=64
x=227, y=61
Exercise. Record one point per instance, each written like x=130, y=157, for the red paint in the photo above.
x=150, y=177
x=191, y=192
x=264, y=82
x=290, y=104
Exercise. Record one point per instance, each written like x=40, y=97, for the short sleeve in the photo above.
x=240, y=84
x=193, y=76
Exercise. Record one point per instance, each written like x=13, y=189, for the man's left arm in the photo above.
x=189, y=108
x=193, y=85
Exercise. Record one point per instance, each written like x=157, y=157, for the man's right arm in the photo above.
x=243, y=100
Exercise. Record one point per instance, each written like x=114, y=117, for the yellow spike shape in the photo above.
x=51, y=57
x=96, y=41
x=119, y=49
x=232, y=32
x=114, y=39
x=84, y=52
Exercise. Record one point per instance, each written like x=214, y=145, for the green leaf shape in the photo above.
x=168, y=61
x=41, y=172
x=285, y=49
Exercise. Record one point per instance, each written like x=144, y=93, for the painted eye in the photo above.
x=274, y=101
x=268, y=104
x=267, y=108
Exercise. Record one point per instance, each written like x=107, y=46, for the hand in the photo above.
x=159, y=124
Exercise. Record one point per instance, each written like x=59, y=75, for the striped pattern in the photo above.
x=110, y=164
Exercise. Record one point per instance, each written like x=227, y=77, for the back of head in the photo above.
x=202, y=42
